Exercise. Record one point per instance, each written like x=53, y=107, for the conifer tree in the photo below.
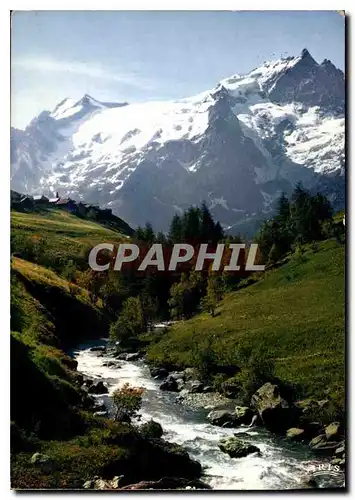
x=207, y=224
x=283, y=208
x=218, y=232
x=149, y=235
x=191, y=225
x=175, y=231
x=139, y=234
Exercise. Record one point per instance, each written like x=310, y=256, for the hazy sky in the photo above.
x=136, y=56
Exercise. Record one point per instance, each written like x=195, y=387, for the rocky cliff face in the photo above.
x=236, y=146
x=311, y=84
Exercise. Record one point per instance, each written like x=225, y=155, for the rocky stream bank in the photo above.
x=269, y=444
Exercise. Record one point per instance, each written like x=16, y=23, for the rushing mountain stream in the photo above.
x=282, y=464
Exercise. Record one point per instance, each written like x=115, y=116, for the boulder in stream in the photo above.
x=322, y=446
x=151, y=429
x=275, y=412
x=333, y=431
x=236, y=448
x=158, y=373
x=133, y=356
x=203, y=400
x=97, y=348
x=111, y=364
x=170, y=384
x=295, y=434
x=221, y=418
x=243, y=415
x=98, y=388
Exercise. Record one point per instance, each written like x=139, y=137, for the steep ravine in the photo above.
x=282, y=465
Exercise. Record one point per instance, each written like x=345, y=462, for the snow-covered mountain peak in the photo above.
x=291, y=75
x=260, y=79
x=236, y=145
x=305, y=54
x=89, y=101
x=69, y=108
x=270, y=71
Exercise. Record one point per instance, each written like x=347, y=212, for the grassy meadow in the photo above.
x=293, y=316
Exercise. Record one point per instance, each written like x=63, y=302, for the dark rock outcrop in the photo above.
x=161, y=458
x=311, y=84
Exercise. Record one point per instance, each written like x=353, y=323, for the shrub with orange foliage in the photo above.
x=128, y=401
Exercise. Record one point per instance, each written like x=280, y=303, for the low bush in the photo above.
x=128, y=401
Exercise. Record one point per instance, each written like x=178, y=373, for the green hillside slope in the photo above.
x=48, y=311
x=51, y=415
x=61, y=235
x=294, y=319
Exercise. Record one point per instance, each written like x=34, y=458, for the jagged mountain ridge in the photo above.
x=236, y=146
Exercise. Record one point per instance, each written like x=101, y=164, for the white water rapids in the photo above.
x=282, y=465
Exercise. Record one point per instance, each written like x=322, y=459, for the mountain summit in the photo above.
x=235, y=146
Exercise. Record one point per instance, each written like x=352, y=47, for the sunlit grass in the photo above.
x=294, y=316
